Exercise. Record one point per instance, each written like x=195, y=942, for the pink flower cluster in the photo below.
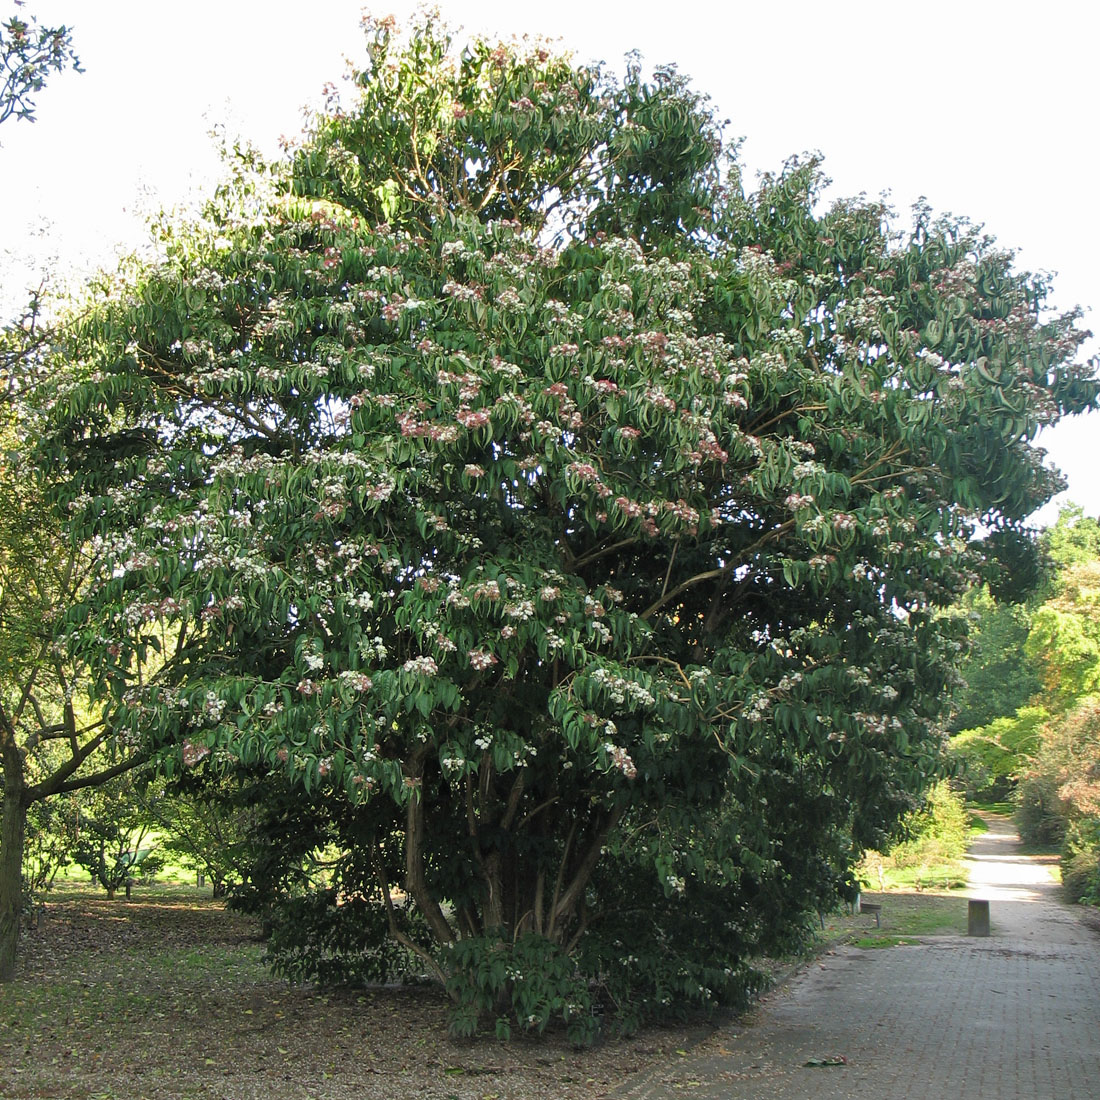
x=481, y=659
x=193, y=753
x=620, y=759
x=472, y=418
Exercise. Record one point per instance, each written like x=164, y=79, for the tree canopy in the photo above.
x=559, y=522
x=29, y=52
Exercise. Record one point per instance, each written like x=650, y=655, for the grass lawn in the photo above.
x=905, y=915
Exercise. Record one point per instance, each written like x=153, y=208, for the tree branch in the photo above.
x=721, y=571
x=54, y=785
x=391, y=917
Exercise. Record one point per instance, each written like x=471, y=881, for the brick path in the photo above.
x=1012, y=1017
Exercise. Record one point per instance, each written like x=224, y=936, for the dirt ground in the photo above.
x=164, y=998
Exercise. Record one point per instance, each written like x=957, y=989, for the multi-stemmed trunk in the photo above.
x=514, y=898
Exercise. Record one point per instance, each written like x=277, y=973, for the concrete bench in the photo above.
x=872, y=907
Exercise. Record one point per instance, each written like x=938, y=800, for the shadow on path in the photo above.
x=1016, y=1015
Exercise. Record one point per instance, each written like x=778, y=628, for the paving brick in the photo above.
x=1012, y=1017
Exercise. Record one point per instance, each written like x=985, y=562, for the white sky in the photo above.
x=987, y=108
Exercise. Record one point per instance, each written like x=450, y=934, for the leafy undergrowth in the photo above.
x=165, y=997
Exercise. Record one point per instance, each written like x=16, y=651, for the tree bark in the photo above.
x=415, y=883
x=565, y=903
x=13, y=830
x=12, y=833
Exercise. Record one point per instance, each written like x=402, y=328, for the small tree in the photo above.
x=564, y=525
x=49, y=840
x=208, y=825
x=109, y=828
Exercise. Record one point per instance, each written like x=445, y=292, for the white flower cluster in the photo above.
x=619, y=688
x=357, y=681
x=758, y=707
x=790, y=680
x=213, y=706
x=481, y=659
x=375, y=647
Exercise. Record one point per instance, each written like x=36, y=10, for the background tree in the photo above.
x=110, y=829
x=998, y=675
x=1064, y=639
x=54, y=739
x=29, y=53
x=37, y=712
x=558, y=526
x=1027, y=656
x=995, y=755
x=207, y=825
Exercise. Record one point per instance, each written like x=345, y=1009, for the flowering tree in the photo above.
x=29, y=52
x=563, y=524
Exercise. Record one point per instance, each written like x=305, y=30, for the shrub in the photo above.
x=528, y=983
x=935, y=838
x=1040, y=816
x=1081, y=861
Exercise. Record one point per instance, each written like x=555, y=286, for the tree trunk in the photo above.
x=12, y=833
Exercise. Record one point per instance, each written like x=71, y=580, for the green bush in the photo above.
x=934, y=840
x=1081, y=861
x=1040, y=816
x=49, y=838
x=527, y=983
